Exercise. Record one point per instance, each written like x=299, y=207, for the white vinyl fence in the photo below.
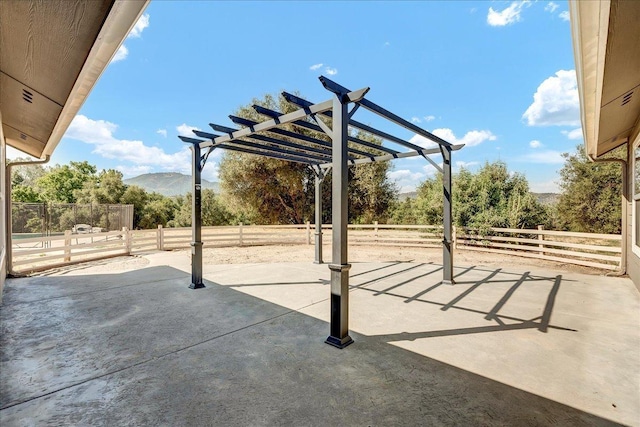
x=587, y=249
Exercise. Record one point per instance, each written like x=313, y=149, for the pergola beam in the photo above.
x=318, y=151
x=423, y=152
x=272, y=155
x=296, y=100
x=287, y=118
x=292, y=135
x=271, y=113
x=375, y=108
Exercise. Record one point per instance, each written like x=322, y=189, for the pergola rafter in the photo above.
x=269, y=139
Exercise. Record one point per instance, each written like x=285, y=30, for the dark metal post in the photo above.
x=339, y=267
x=318, y=234
x=196, y=219
x=447, y=241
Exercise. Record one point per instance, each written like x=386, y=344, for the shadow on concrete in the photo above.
x=543, y=320
x=140, y=348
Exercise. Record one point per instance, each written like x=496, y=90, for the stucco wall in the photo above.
x=633, y=254
x=3, y=252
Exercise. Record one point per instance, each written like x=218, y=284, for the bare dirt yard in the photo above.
x=300, y=253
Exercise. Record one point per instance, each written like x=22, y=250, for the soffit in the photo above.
x=620, y=99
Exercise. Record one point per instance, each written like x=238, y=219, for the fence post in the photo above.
x=67, y=245
x=541, y=238
x=240, y=234
x=127, y=240
x=308, y=233
x=160, y=238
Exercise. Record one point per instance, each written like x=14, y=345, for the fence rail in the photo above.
x=592, y=250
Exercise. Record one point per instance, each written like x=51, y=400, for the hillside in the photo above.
x=169, y=183
x=547, y=198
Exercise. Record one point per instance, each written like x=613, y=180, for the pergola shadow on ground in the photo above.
x=138, y=347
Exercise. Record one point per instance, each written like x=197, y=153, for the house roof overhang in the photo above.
x=606, y=43
x=51, y=55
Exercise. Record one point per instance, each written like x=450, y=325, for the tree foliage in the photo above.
x=270, y=191
x=61, y=182
x=591, y=194
x=491, y=197
x=214, y=211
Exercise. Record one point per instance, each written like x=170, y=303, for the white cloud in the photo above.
x=121, y=54
x=551, y=7
x=429, y=118
x=430, y=170
x=546, y=157
x=162, y=132
x=99, y=133
x=387, y=44
x=564, y=15
x=535, y=144
x=415, y=119
x=405, y=179
x=462, y=164
x=136, y=32
x=555, y=102
x=131, y=171
x=186, y=130
x=544, y=187
x=143, y=22
x=573, y=134
x=316, y=66
x=331, y=71
x=508, y=16
x=470, y=139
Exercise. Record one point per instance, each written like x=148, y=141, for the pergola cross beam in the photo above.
x=271, y=113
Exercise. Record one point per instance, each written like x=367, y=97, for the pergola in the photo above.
x=343, y=150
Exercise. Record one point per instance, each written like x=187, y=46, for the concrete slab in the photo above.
x=517, y=346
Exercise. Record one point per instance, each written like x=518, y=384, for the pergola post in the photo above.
x=318, y=233
x=196, y=218
x=447, y=241
x=339, y=266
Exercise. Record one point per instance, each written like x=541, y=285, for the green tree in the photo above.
x=26, y=174
x=213, y=211
x=137, y=197
x=591, y=194
x=491, y=197
x=159, y=210
x=106, y=188
x=25, y=194
x=61, y=182
x=272, y=191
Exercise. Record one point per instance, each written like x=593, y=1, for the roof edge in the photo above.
x=589, y=31
x=121, y=19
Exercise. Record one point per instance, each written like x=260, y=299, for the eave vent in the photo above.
x=27, y=96
x=626, y=98
x=23, y=136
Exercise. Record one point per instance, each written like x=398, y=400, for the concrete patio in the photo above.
x=504, y=346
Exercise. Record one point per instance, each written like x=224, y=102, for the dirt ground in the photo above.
x=298, y=253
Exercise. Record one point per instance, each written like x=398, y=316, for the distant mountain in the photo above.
x=408, y=195
x=169, y=183
x=547, y=198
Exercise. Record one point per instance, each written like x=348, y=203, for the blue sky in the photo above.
x=498, y=76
